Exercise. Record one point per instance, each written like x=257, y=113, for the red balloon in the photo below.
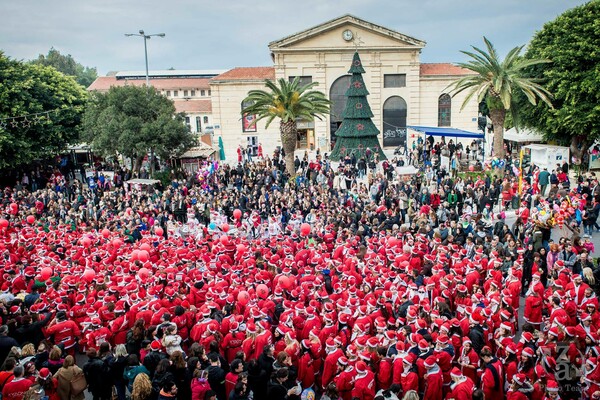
x=285, y=282
x=143, y=273
x=159, y=231
x=89, y=275
x=135, y=255
x=117, y=242
x=129, y=210
x=471, y=168
x=146, y=247
x=305, y=229
x=237, y=213
x=392, y=241
x=225, y=227
x=105, y=232
x=3, y=223
x=243, y=297
x=30, y=219
x=14, y=206
x=86, y=242
x=143, y=255
x=46, y=273
x=241, y=248
x=262, y=291
x=224, y=239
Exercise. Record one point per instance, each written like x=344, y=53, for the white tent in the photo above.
x=522, y=135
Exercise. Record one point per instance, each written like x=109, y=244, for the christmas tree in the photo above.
x=357, y=132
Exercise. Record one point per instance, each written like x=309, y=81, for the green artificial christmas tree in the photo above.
x=357, y=132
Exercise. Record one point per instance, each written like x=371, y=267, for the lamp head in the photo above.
x=141, y=31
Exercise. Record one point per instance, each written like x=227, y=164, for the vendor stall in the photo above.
x=547, y=156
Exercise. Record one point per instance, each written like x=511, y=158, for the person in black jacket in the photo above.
x=257, y=380
x=30, y=331
x=276, y=389
x=266, y=359
x=97, y=374
x=476, y=335
x=6, y=343
x=216, y=376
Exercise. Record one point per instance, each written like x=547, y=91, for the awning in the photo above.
x=203, y=150
x=142, y=181
x=523, y=135
x=451, y=132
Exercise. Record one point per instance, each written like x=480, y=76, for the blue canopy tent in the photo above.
x=451, y=132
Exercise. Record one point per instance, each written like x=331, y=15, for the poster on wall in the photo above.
x=249, y=123
x=594, y=160
x=394, y=137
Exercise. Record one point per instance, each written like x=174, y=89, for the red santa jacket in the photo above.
x=462, y=390
x=492, y=380
x=433, y=385
x=344, y=382
x=330, y=366
x=65, y=332
x=364, y=387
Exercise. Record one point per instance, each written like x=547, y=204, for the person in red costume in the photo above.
x=492, y=379
x=364, y=383
x=433, y=379
x=64, y=331
x=334, y=352
x=520, y=389
x=345, y=378
x=462, y=386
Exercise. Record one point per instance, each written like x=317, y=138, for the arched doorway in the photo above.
x=337, y=95
x=394, y=122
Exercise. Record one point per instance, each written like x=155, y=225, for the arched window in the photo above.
x=445, y=110
x=337, y=95
x=394, y=122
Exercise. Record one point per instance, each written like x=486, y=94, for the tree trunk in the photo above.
x=498, y=116
x=289, y=134
x=151, y=162
x=579, y=146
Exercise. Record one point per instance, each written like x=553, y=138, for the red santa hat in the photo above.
x=520, y=379
x=528, y=351
x=456, y=373
x=423, y=345
x=361, y=368
x=430, y=362
x=552, y=386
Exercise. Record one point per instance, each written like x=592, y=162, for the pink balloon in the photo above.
x=30, y=219
x=86, y=242
x=471, y=168
x=143, y=255
x=135, y=255
x=224, y=239
x=243, y=297
x=117, y=242
x=392, y=241
x=285, y=282
x=158, y=231
x=89, y=275
x=305, y=229
x=46, y=273
x=262, y=291
x=143, y=273
x=146, y=247
x=3, y=223
x=237, y=213
x=241, y=248
x=129, y=210
x=225, y=228
x=14, y=206
x=105, y=233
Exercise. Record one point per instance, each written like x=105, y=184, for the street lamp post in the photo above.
x=146, y=37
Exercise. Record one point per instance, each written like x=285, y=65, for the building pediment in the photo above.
x=330, y=35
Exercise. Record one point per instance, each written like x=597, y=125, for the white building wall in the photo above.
x=227, y=105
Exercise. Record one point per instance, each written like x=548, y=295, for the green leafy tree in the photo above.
x=68, y=66
x=357, y=132
x=572, y=41
x=134, y=121
x=289, y=102
x=40, y=112
x=499, y=82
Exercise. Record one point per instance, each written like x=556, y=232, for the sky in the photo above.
x=223, y=34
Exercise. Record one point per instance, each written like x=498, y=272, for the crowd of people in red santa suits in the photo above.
x=356, y=317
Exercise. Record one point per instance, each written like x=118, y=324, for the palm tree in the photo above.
x=289, y=102
x=499, y=83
